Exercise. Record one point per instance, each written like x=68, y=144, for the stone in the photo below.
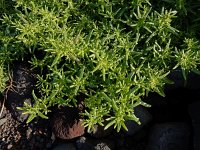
x=99, y=131
x=102, y=146
x=177, y=77
x=169, y=136
x=2, y=121
x=86, y=143
x=65, y=146
x=53, y=137
x=194, y=111
x=66, y=123
x=193, y=80
x=144, y=116
x=83, y=144
x=28, y=132
x=9, y=146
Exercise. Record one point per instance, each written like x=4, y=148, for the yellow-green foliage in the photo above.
x=3, y=78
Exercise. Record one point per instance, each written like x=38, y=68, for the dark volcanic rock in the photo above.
x=192, y=83
x=65, y=146
x=84, y=143
x=194, y=111
x=177, y=77
x=144, y=117
x=169, y=136
x=66, y=123
x=20, y=90
x=99, y=131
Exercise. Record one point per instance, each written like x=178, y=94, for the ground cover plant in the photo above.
x=112, y=52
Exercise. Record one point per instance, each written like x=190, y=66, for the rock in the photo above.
x=20, y=90
x=177, y=77
x=66, y=123
x=194, y=111
x=140, y=136
x=48, y=145
x=2, y=121
x=28, y=132
x=155, y=100
x=169, y=136
x=84, y=143
x=135, y=142
x=53, y=137
x=102, y=146
x=144, y=117
x=99, y=131
x=65, y=146
x=193, y=80
x=9, y=146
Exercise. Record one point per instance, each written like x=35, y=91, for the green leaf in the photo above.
x=34, y=96
x=124, y=126
x=184, y=73
x=30, y=118
x=160, y=91
x=42, y=115
x=196, y=71
x=112, y=122
x=118, y=126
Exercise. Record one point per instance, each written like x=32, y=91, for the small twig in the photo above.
x=9, y=87
x=4, y=99
x=2, y=107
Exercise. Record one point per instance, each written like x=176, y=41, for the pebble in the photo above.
x=102, y=146
x=9, y=146
x=53, y=137
x=194, y=112
x=28, y=132
x=169, y=136
x=144, y=117
x=193, y=80
x=100, y=132
x=2, y=121
x=86, y=143
x=177, y=77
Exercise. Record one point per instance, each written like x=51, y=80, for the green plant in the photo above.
x=6, y=7
x=3, y=78
x=188, y=57
x=112, y=52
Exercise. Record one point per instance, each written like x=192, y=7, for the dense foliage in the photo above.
x=113, y=53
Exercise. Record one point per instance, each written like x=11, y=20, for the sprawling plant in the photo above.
x=3, y=78
x=112, y=52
